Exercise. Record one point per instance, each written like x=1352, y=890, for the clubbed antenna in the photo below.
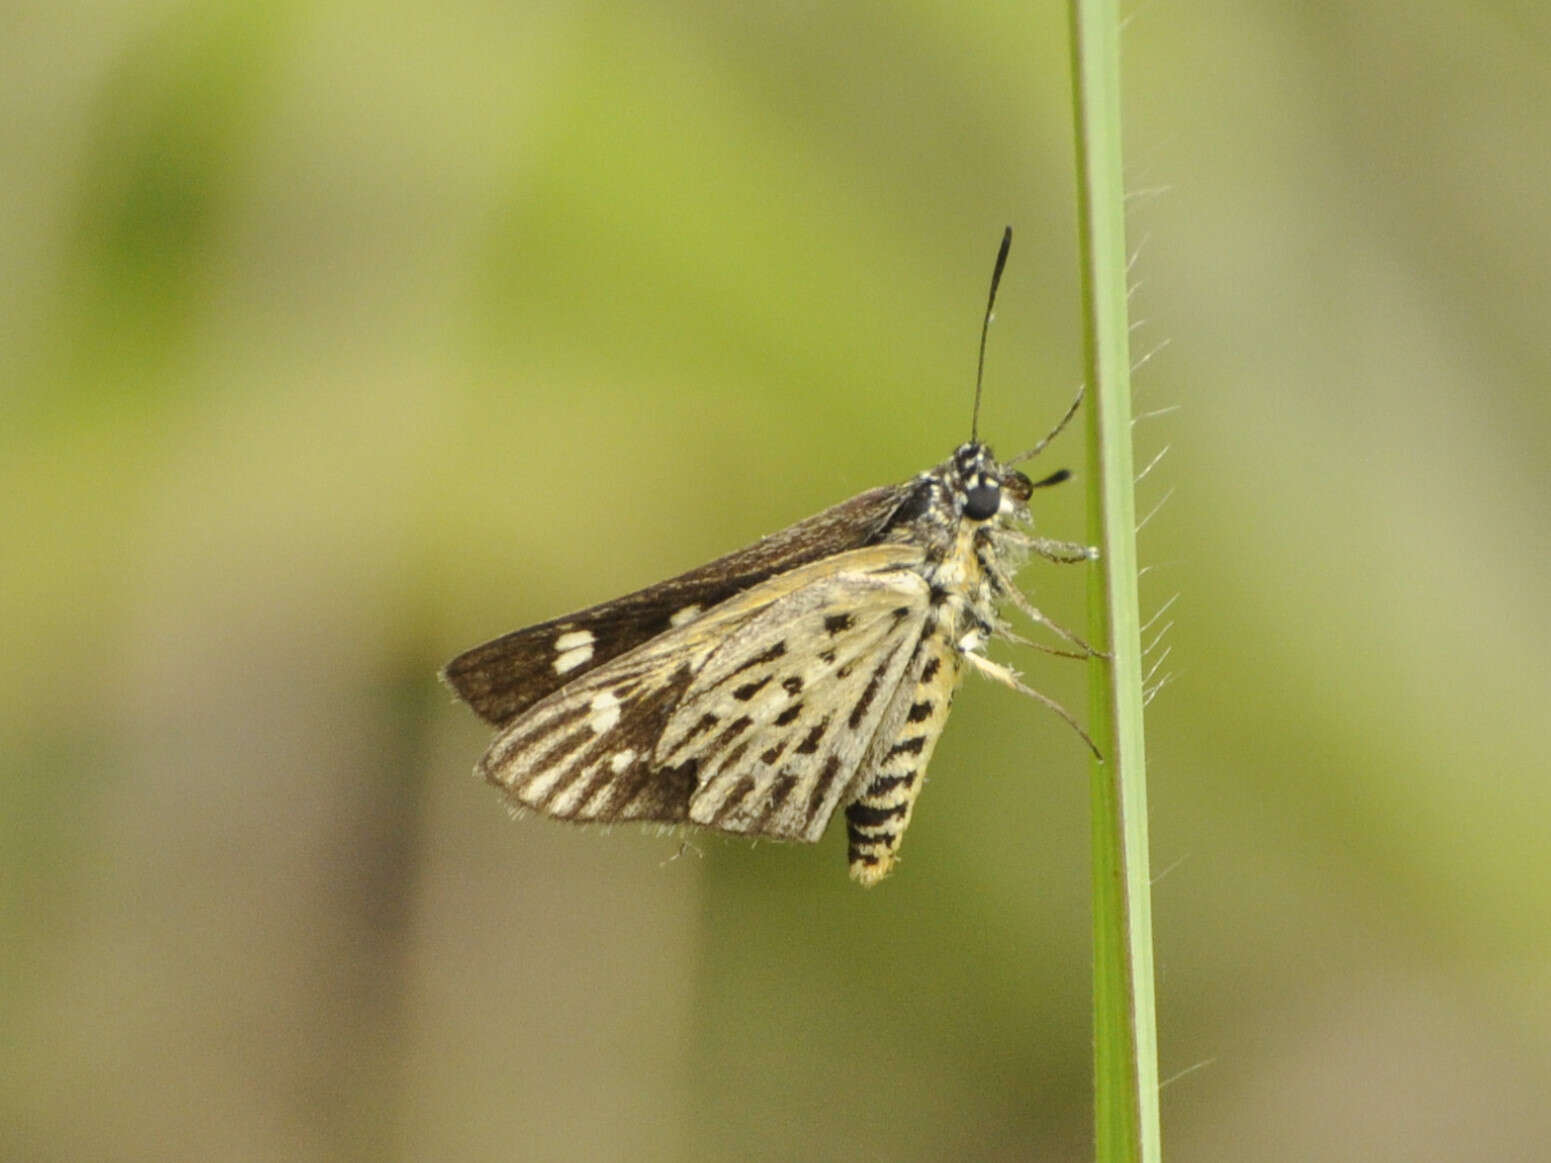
x=985, y=327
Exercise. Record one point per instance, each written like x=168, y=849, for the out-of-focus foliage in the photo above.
x=339, y=337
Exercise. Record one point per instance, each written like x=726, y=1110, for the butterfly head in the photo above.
x=982, y=488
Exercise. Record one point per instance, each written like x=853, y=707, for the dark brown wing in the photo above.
x=506, y=676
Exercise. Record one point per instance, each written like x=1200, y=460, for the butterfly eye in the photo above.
x=983, y=500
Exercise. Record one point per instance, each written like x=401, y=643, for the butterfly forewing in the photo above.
x=752, y=718
x=504, y=677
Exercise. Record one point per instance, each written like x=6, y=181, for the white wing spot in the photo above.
x=621, y=760
x=569, y=660
x=573, y=639
x=605, y=712
x=687, y=614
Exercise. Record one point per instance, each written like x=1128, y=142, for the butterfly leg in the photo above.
x=1006, y=634
x=1031, y=611
x=1007, y=677
x=1035, y=614
x=1066, y=552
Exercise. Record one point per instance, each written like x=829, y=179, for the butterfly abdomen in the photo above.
x=876, y=820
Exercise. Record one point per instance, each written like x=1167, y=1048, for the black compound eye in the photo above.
x=983, y=500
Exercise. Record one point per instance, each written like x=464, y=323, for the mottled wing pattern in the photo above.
x=779, y=718
x=758, y=692
x=504, y=677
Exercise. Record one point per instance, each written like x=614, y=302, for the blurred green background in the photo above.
x=340, y=337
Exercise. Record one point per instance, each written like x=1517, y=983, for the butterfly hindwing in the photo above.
x=657, y=733
x=504, y=677
x=780, y=717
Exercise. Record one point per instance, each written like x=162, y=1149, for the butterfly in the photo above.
x=810, y=671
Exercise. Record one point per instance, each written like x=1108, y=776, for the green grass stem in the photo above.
x=1126, y=1122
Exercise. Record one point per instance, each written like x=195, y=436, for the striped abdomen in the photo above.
x=877, y=818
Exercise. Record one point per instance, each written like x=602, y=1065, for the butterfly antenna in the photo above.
x=985, y=327
x=1051, y=435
